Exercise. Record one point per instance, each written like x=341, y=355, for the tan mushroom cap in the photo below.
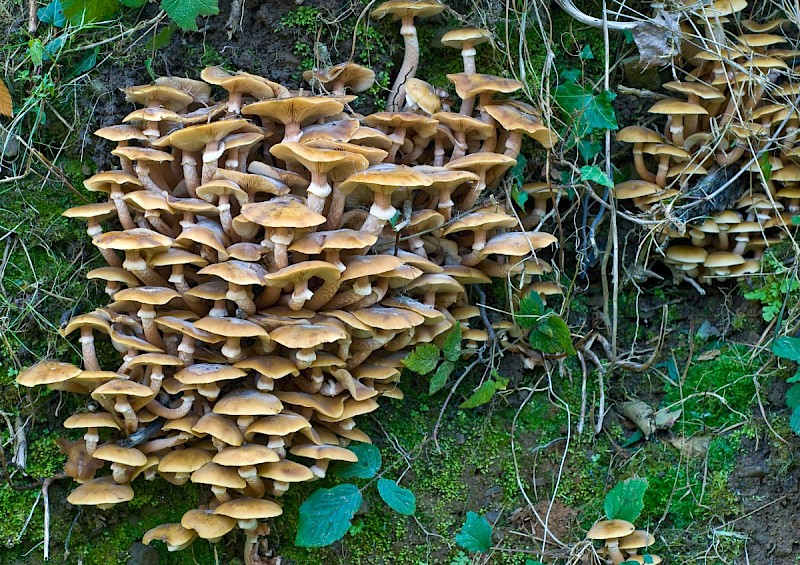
x=610, y=529
x=91, y=420
x=248, y=402
x=143, y=154
x=122, y=387
x=103, y=492
x=317, y=242
x=282, y=213
x=253, y=85
x=666, y=149
x=402, y=8
x=236, y=272
x=285, y=471
x=687, y=254
x=761, y=39
x=230, y=327
x=245, y=508
x=207, y=524
x=151, y=295
x=198, y=90
x=99, y=211
x=158, y=95
x=195, y=138
x=511, y=118
x=635, y=189
x=638, y=134
x=465, y=275
x=153, y=115
x=639, y=539
x=385, y=178
x=113, y=453
x=517, y=244
x=250, y=454
x=307, y=335
x=186, y=460
x=338, y=165
x=121, y=133
x=469, y=85
x=298, y=109
x=384, y=318
x=277, y=425
x=302, y=272
x=479, y=221
x=332, y=407
x=425, y=126
x=367, y=265
x=221, y=187
x=332, y=452
x=694, y=88
x=137, y=239
x=357, y=77
x=106, y=180
x=206, y=373
x=270, y=366
x=677, y=108
x=218, y=475
x=423, y=95
x=472, y=127
x=722, y=259
x=219, y=427
x=466, y=37
x=477, y=162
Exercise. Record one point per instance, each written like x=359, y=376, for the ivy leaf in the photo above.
x=52, y=14
x=551, y=335
x=519, y=196
x=485, y=392
x=423, y=359
x=80, y=12
x=588, y=148
x=625, y=501
x=787, y=348
x=440, y=377
x=368, y=464
x=571, y=75
x=531, y=308
x=86, y=63
x=185, y=12
x=475, y=534
x=595, y=174
x=586, y=53
x=452, y=344
x=399, y=499
x=589, y=112
x=325, y=516
x=517, y=172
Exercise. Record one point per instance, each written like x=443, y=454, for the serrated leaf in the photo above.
x=475, y=534
x=80, y=12
x=439, y=378
x=368, y=464
x=517, y=172
x=325, y=516
x=626, y=500
x=52, y=14
x=399, y=499
x=794, y=378
x=452, y=344
x=530, y=309
x=588, y=112
x=595, y=174
x=133, y=3
x=551, y=335
x=586, y=53
x=423, y=359
x=484, y=393
x=36, y=51
x=794, y=421
x=787, y=348
x=185, y=12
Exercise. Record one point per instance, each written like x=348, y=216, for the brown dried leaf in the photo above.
x=709, y=355
x=640, y=413
x=695, y=446
x=6, y=106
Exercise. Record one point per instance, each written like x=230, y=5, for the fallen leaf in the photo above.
x=695, y=446
x=658, y=39
x=6, y=107
x=640, y=414
x=709, y=355
x=664, y=419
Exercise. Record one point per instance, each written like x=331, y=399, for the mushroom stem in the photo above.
x=318, y=191
x=211, y=155
x=155, y=407
x=123, y=407
x=380, y=212
x=409, y=67
x=335, y=210
x=87, y=349
x=189, y=164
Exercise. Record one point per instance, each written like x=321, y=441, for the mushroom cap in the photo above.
x=230, y=327
x=253, y=184
x=402, y=8
x=219, y=427
x=351, y=409
x=635, y=189
x=512, y=118
x=677, y=108
x=481, y=221
x=637, y=540
x=122, y=387
x=137, y=239
x=252, y=85
x=425, y=126
x=694, y=88
x=719, y=259
x=248, y=402
x=297, y=109
x=638, y=134
x=236, y=272
x=91, y=420
x=610, y=529
x=469, y=85
x=195, y=138
x=518, y=244
x=87, y=320
x=151, y=295
x=250, y=454
x=760, y=39
x=720, y=8
x=143, y=154
x=129, y=456
x=218, y=475
x=659, y=149
x=464, y=275
x=99, y=211
x=100, y=492
x=466, y=37
x=337, y=164
x=121, y=133
x=175, y=256
x=282, y=213
x=206, y=373
x=385, y=178
x=332, y=452
x=483, y=161
x=357, y=77
x=302, y=272
x=106, y=180
x=198, y=90
x=423, y=95
x=158, y=95
x=384, y=318
x=155, y=359
x=246, y=508
x=332, y=407
x=368, y=265
x=152, y=114
x=306, y=336
x=277, y=425
x=686, y=254
x=317, y=242
x=221, y=187
x=285, y=471
x=273, y=367
x=207, y=524
x=472, y=127
x=184, y=460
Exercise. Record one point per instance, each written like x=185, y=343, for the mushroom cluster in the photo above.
x=622, y=542
x=274, y=258
x=724, y=176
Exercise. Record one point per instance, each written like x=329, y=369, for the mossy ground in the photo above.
x=474, y=468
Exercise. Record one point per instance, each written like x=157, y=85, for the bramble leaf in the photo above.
x=368, y=464
x=551, y=335
x=325, y=516
x=588, y=112
x=485, y=392
x=475, y=534
x=423, y=359
x=80, y=12
x=787, y=348
x=625, y=501
x=530, y=309
x=399, y=499
x=452, y=344
x=185, y=12
x=594, y=174
x=440, y=377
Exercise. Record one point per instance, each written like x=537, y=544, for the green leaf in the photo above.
x=161, y=39
x=36, y=51
x=368, y=464
x=133, y=3
x=53, y=48
x=570, y=75
x=794, y=378
x=86, y=63
x=532, y=562
x=793, y=397
x=765, y=166
x=517, y=172
x=796, y=220
x=625, y=501
x=395, y=219
x=794, y=421
x=185, y=12
x=452, y=344
x=787, y=348
x=325, y=516
x=588, y=148
x=485, y=392
x=423, y=359
x=475, y=534
x=588, y=112
x=586, y=53
x=531, y=308
x=439, y=378
x=551, y=335
x=52, y=14
x=519, y=196
x=399, y=499
x=628, y=36
x=80, y=12
x=595, y=174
